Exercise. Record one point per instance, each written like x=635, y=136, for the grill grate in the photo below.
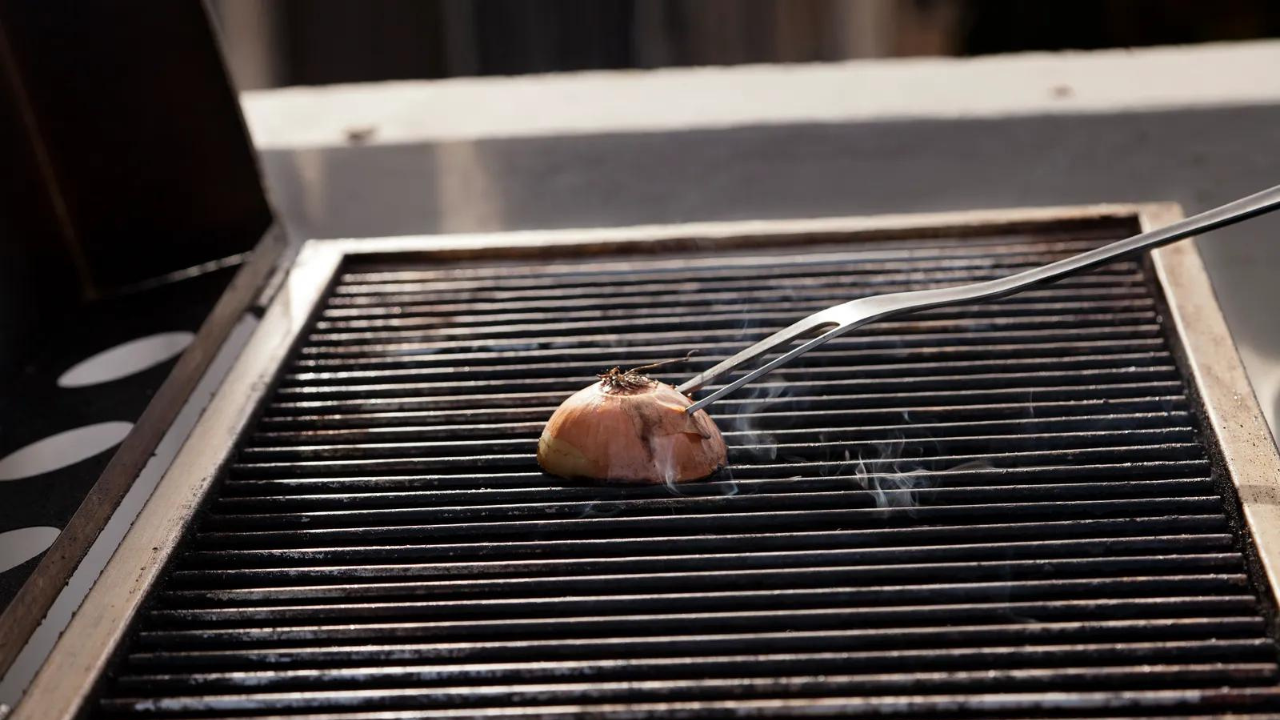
x=997, y=510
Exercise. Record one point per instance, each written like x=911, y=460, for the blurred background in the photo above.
x=138, y=179
x=314, y=42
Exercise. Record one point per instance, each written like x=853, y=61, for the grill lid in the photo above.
x=1004, y=509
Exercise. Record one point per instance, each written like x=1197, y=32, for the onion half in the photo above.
x=630, y=429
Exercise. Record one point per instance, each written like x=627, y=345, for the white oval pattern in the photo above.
x=126, y=359
x=59, y=451
x=19, y=546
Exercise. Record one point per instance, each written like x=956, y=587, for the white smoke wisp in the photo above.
x=756, y=442
x=745, y=436
x=663, y=450
x=599, y=509
x=749, y=436
x=893, y=480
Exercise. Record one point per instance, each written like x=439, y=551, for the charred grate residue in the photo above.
x=999, y=510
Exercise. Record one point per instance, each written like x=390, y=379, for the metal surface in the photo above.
x=840, y=319
x=1231, y=411
x=1006, y=509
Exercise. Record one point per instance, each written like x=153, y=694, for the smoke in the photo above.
x=599, y=509
x=754, y=441
x=896, y=479
x=747, y=440
x=663, y=449
x=892, y=479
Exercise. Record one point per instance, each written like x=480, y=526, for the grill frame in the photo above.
x=1199, y=338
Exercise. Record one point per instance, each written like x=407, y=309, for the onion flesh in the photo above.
x=630, y=429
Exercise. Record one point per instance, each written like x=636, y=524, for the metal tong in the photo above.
x=840, y=319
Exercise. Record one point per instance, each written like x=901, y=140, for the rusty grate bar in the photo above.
x=996, y=511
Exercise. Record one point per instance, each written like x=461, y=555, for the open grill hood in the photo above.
x=1027, y=507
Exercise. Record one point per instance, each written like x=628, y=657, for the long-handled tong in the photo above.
x=840, y=319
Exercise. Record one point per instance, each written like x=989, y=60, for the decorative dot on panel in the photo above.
x=126, y=359
x=19, y=546
x=65, y=448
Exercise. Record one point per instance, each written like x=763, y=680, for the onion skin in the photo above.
x=636, y=435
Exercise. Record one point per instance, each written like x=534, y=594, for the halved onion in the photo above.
x=630, y=429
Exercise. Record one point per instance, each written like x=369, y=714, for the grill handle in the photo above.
x=840, y=319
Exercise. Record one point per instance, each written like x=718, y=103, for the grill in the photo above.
x=1000, y=510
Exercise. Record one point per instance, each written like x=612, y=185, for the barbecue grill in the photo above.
x=1054, y=505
